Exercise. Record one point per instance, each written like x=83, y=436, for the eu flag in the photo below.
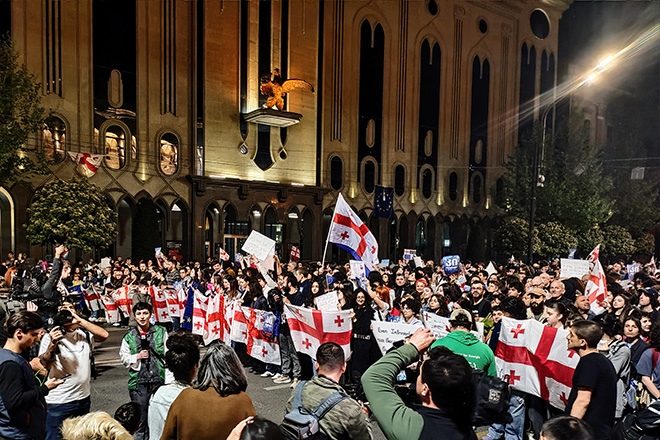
x=384, y=201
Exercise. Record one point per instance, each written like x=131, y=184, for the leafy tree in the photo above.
x=555, y=239
x=511, y=237
x=75, y=213
x=645, y=245
x=617, y=241
x=588, y=240
x=21, y=115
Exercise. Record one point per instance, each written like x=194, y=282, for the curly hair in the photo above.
x=96, y=425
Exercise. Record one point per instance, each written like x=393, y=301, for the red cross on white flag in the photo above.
x=159, y=302
x=122, y=300
x=536, y=359
x=200, y=306
x=310, y=328
x=349, y=232
x=596, y=288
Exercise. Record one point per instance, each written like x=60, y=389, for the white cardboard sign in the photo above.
x=259, y=245
x=573, y=268
x=328, y=302
x=387, y=333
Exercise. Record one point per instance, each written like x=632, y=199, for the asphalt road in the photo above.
x=109, y=390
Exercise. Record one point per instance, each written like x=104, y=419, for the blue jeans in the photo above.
x=514, y=430
x=58, y=412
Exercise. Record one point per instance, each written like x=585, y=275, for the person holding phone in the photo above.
x=66, y=352
x=142, y=351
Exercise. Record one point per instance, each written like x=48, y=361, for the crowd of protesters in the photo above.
x=189, y=403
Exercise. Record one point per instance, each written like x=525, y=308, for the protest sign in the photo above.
x=632, y=270
x=357, y=269
x=258, y=245
x=328, y=302
x=387, y=333
x=451, y=264
x=105, y=262
x=490, y=269
x=409, y=254
x=418, y=262
x=441, y=327
x=573, y=268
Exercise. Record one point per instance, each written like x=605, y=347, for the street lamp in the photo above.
x=538, y=179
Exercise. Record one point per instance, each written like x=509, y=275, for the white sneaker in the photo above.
x=295, y=382
x=283, y=379
x=267, y=374
x=277, y=376
x=116, y=324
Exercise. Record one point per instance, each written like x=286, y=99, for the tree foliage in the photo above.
x=75, y=213
x=555, y=240
x=511, y=237
x=21, y=115
x=617, y=241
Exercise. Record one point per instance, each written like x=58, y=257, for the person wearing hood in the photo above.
x=461, y=341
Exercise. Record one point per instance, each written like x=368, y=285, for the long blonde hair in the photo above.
x=96, y=425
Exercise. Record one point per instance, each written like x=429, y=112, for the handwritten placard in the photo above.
x=328, y=302
x=258, y=245
x=387, y=333
x=358, y=270
x=573, y=268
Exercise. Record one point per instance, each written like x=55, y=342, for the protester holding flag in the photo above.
x=363, y=344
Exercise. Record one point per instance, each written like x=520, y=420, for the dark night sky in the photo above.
x=590, y=29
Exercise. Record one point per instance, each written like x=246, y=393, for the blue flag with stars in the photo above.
x=384, y=201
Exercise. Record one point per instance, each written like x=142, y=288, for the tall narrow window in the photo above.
x=169, y=154
x=369, y=176
x=453, y=186
x=54, y=139
x=427, y=183
x=115, y=147
x=399, y=180
x=336, y=173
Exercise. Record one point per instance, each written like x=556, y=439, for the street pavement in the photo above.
x=109, y=389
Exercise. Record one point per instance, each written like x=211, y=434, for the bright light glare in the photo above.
x=591, y=78
x=605, y=62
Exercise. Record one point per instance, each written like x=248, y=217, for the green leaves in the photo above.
x=21, y=115
x=73, y=212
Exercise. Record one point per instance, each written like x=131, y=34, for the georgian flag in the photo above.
x=310, y=328
x=86, y=164
x=536, y=360
x=92, y=298
x=122, y=300
x=224, y=256
x=111, y=308
x=219, y=317
x=200, y=306
x=295, y=254
x=596, y=288
x=351, y=234
x=159, y=302
x=172, y=298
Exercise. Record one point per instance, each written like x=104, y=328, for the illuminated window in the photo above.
x=115, y=147
x=54, y=139
x=169, y=154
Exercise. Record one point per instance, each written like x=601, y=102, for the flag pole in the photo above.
x=327, y=238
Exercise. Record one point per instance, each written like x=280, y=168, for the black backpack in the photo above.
x=641, y=425
x=492, y=400
x=301, y=423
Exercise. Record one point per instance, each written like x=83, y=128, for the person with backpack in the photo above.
x=444, y=386
x=321, y=407
x=648, y=367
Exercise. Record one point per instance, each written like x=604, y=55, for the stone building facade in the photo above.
x=426, y=97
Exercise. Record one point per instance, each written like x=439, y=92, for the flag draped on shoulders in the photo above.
x=159, y=302
x=350, y=233
x=536, y=359
x=596, y=288
x=310, y=328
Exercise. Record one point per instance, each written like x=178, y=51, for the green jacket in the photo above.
x=396, y=420
x=345, y=420
x=478, y=354
x=154, y=373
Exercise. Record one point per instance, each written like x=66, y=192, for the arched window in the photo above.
x=427, y=183
x=369, y=176
x=477, y=183
x=336, y=173
x=169, y=154
x=54, y=138
x=453, y=186
x=499, y=193
x=399, y=180
x=115, y=147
